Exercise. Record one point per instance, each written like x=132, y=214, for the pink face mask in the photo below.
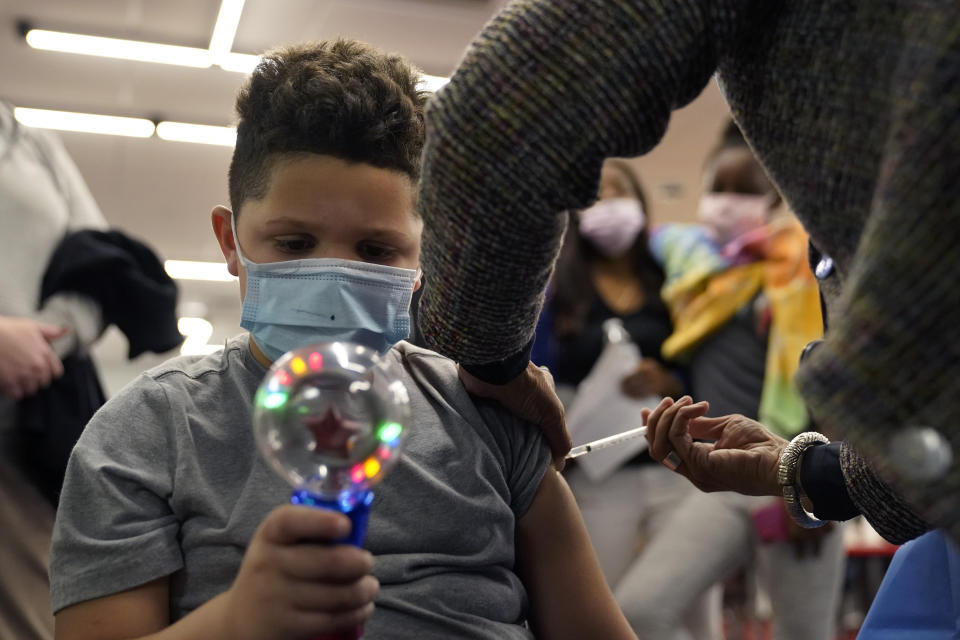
x=730, y=215
x=612, y=225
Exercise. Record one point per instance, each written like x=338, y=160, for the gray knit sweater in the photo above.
x=854, y=108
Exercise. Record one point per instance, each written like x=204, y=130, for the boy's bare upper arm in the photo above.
x=569, y=597
x=134, y=613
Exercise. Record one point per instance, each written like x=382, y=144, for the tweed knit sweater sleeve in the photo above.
x=887, y=379
x=540, y=99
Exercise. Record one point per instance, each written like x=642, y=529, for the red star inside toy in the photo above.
x=332, y=433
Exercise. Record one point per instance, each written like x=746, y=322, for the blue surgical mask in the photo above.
x=294, y=303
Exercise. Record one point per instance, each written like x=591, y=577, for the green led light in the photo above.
x=389, y=431
x=275, y=400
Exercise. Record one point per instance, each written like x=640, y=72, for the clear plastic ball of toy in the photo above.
x=331, y=418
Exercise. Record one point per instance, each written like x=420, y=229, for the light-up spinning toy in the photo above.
x=331, y=419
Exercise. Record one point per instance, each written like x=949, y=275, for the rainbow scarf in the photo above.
x=706, y=285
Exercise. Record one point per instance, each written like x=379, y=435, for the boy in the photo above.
x=472, y=535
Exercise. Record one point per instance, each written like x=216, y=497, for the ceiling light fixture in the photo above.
x=84, y=122
x=219, y=53
x=196, y=332
x=432, y=83
x=195, y=270
x=228, y=19
x=117, y=48
x=239, y=62
x=199, y=133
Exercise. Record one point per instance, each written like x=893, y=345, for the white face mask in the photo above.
x=612, y=225
x=730, y=215
x=294, y=303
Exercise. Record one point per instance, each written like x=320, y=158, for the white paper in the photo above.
x=600, y=409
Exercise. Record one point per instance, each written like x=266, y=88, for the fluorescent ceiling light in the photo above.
x=239, y=62
x=226, y=28
x=201, y=133
x=432, y=83
x=219, y=52
x=194, y=270
x=84, y=122
x=116, y=48
x=121, y=126
x=197, y=332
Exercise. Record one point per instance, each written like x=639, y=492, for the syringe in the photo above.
x=603, y=443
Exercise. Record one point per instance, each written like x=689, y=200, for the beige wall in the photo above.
x=671, y=172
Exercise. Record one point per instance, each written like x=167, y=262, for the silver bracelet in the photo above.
x=788, y=476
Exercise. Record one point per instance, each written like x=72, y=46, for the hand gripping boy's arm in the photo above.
x=286, y=588
x=569, y=597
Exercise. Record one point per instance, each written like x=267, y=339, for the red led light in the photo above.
x=357, y=474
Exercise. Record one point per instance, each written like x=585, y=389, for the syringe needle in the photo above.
x=603, y=443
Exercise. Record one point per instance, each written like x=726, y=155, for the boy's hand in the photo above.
x=743, y=458
x=531, y=397
x=294, y=584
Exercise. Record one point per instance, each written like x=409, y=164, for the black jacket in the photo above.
x=126, y=279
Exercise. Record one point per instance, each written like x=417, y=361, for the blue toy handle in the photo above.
x=357, y=508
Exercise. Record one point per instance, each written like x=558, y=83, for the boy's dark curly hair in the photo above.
x=340, y=98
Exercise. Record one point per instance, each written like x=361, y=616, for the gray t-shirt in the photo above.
x=167, y=480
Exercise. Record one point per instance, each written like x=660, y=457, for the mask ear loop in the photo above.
x=236, y=241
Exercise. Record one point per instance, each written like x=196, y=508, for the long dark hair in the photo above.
x=572, y=290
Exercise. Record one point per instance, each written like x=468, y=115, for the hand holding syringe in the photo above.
x=609, y=441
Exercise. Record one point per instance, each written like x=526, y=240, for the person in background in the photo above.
x=744, y=304
x=67, y=280
x=606, y=271
x=42, y=198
